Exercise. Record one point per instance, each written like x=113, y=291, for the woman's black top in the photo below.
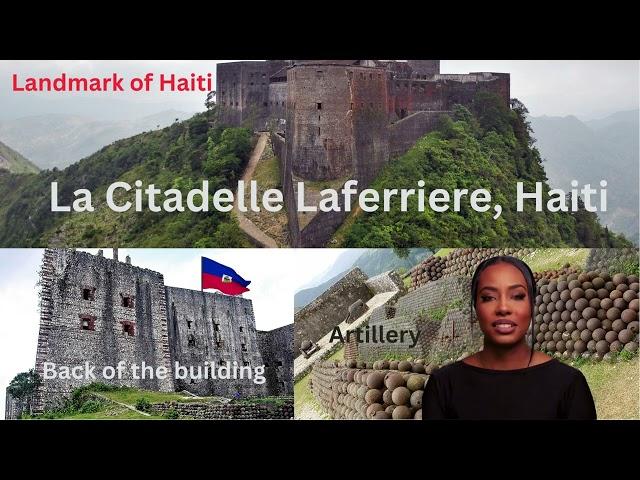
x=550, y=390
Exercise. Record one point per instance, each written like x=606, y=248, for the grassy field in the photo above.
x=615, y=388
x=131, y=395
x=553, y=258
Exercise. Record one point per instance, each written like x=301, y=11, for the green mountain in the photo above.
x=180, y=156
x=12, y=161
x=372, y=262
x=489, y=146
x=573, y=149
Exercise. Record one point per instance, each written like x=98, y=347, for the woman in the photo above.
x=508, y=379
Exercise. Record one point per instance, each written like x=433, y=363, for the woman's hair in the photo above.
x=526, y=273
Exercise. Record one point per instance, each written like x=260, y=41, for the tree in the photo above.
x=23, y=386
x=210, y=102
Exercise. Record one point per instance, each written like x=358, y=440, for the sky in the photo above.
x=587, y=89
x=275, y=275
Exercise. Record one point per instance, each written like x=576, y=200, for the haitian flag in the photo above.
x=218, y=276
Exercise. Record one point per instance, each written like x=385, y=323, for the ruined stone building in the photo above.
x=341, y=119
x=103, y=311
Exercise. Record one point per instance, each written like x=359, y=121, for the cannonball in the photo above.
x=619, y=278
x=603, y=293
x=401, y=413
x=629, y=295
x=580, y=346
x=577, y=293
x=565, y=316
x=404, y=366
x=601, y=314
x=373, y=409
x=574, y=284
x=613, y=313
x=591, y=346
x=593, y=324
x=588, y=313
x=570, y=326
x=417, y=368
x=594, y=303
x=598, y=334
x=585, y=335
x=625, y=336
x=560, y=346
x=569, y=345
x=618, y=325
x=620, y=304
x=418, y=414
x=393, y=364
x=375, y=380
x=615, y=294
x=556, y=336
x=634, y=304
x=633, y=326
x=551, y=346
x=590, y=294
x=570, y=305
x=382, y=415
x=609, y=286
x=415, y=382
x=611, y=336
x=635, y=286
x=401, y=395
x=416, y=398
x=581, y=324
x=576, y=316
x=631, y=347
x=629, y=315
x=598, y=282
x=552, y=326
x=616, y=346
x=394, y=381
x=566, y=295
x=606, y=303
x=602, y=347
x=581, y=304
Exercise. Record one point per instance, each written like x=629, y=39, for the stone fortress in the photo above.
x=103, y=311
x=335, y=120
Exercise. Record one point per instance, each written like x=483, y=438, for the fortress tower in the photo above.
x=103, y=311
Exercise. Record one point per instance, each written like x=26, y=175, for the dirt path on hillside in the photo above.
x=256, y=235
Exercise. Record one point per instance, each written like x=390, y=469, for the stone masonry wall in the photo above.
x=276, y=348
x=208, y=411
x=331, y=308
x=212, y=327
x=100, y=311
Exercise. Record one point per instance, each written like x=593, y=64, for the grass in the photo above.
x=131, y=395
x=443, y=252
x=554, y=258
x=615, y=388
x=302, y=396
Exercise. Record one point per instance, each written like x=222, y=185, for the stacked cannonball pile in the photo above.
x=589, y=315
x=566, y=270
x=464, y=261
x=460, y=262
x=427, y=271
x=606, y=258
x=386, y=390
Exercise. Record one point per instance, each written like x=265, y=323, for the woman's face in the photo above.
x=502, y=305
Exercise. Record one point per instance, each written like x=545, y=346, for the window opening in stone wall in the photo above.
x=218, y=344
x=216, y=327
x=241, y=329
x=282, y=384
x=87, y=323
x=318, y=131
x=189, y=322
x=128, y=328
x=244, y=347
x=278, y=363
x=192, y=341
x=319, y=105
x=87, y=294
x=127, y=302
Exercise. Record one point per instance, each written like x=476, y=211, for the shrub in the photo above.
x=143, y=404
x=91, y=406
x=171, y=414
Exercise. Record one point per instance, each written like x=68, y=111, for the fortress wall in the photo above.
x=319, y=125
x=243, y=91
x=330, y=309
x=216, y=328
x=62, y=339
x=406, y=132
x=370, y=133
x=277, y=354
x=278, y=104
